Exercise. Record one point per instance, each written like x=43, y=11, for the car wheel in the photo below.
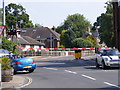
x=97, y=65
x=31, y=70
x=103, y=65
x=12, y=72
x=15, y=72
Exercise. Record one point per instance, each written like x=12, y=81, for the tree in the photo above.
x=76, y=23
x=38, y=25
x=17, y=16
x=81, y=43
x=66, y=38
x=105, y=22
x=93, y=40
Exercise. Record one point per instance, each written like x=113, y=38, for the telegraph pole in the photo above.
x=116, y=17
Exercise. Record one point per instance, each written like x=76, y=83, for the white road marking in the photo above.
x=54, y=57
x=50, y=68
x=71, y=72
x=44, y=58
x=29, y=82
x=111, y=84
x=88, y=77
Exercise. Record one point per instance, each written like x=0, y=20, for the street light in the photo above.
x=51, y=43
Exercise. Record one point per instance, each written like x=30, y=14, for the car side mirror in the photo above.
x=10, y=52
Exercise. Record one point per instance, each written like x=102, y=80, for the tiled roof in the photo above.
x=39, y=33
x=27, y=41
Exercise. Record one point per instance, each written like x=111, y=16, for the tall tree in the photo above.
x=75, y=22
x=66, y=38
x=16, y=16
x=105, y=22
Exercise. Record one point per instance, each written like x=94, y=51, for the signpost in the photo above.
x=2, y=30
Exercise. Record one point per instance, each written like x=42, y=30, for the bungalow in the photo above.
x=49, y=37
x=26, y=43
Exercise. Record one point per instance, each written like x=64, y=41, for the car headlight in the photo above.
x=106, y=59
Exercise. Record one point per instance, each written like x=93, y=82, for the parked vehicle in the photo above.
x=21, y=64
x=7, y=53
x=108, y=58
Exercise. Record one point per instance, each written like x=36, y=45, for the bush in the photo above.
x=9, y=45
x=80, y=43
x=62, y=46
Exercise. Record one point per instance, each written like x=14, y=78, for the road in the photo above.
x=65, y=72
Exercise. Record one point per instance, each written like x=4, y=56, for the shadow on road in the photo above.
x=85, y=63
x=66, y=63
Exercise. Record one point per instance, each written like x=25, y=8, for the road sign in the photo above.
x=2, y=28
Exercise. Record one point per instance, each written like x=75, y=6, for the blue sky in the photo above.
x=53, y=12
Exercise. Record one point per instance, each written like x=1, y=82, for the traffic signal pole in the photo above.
x=3, y=12
x=116, y=17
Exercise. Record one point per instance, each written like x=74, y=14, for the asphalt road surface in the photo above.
x=65, y=72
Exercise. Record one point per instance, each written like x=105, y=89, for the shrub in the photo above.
x=5, y=61
x=81, y=42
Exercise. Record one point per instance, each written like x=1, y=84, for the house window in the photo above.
x=42, y=41
x=23, y=46
x=34, y=30
x=38, y=36
x=31, y=46
x=24, y=31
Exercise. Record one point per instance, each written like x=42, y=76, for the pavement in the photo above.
x=17, y=82
x=21, y=81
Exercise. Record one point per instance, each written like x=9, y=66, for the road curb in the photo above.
x=17, y=82
x=29, y=81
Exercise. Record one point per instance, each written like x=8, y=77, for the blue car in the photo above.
x=21, y=64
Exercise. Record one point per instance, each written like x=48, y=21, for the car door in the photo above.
x=99, y=57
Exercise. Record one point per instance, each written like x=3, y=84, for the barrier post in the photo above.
x=0, y=77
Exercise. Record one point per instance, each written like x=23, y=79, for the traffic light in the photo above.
x=11, y=32
x=8, y=32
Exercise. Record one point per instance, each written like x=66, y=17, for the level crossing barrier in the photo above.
x=57, y=51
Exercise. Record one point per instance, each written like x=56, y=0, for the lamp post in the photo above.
x=51, y=43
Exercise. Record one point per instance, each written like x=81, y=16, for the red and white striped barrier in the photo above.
x=60, y=49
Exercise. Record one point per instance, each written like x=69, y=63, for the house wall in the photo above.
x=34, y=46
x=54, y=44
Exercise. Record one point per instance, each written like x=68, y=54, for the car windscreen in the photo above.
x=4, y=51
x=111, y=52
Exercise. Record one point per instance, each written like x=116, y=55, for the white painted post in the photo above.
x=118, y=3
x=0, y=78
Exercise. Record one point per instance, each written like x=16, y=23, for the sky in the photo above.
x=51, y=13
